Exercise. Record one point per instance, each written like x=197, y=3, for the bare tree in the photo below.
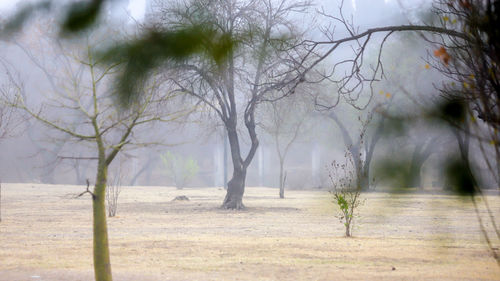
x=362, y=143
x=113, y=192
x=151, y=159
x=464, y=36
x=82, y=88
x=10, y=123
x=286, y=120
x=264, y=63
x=466, y=58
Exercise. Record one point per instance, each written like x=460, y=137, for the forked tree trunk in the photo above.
x=102, y=263
x=236, y=186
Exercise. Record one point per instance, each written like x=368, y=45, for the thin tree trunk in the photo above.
x=282, y=189
x=145, y=168
x=225, y=160
x=348, y=225
x=0, y=201
x=102, y=264
x=282, y=180
x=362, y=181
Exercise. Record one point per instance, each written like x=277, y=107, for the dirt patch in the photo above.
x=46, y=235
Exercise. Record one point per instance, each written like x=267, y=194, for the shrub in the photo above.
x=180, y=169
x=112, y=192
x=345, y=192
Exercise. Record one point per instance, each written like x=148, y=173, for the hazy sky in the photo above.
x=136, y=8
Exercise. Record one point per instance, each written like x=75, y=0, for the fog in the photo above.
x=249, y=139
x=35, y=61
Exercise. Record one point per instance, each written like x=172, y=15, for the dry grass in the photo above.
x=46, y=235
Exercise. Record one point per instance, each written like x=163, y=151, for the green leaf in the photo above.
x=81, y=15
x=158, y=47
x=459, y=178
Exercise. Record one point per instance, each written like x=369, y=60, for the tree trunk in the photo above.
x=421, y=153
x=236, y=186
x=145, y=168
x=364, y=179
x=235, y=190
x=102, y=264
x=415, y=174
x=225, y=160
x=347, y=227
x=282, y=179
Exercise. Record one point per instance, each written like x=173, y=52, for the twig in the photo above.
x=86, y=191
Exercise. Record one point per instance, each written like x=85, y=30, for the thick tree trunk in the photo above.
x=415, y=174
x=235, y=190
x=236, y=186
x=102, y=264
x=364, y=179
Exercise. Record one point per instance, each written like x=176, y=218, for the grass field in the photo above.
x=45, y=234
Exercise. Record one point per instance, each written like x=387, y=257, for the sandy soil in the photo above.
x=45, y=234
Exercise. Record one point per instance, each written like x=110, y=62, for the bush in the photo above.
x=180, y=169
x=112, y=192
x=345, y=192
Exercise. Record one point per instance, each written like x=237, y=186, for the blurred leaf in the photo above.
x=459, y=178
x=394, y=172
x=81, y=15
x=395, y=126
x=220, y=49
x=17, y=21
x=156, y=47
x=451, y=110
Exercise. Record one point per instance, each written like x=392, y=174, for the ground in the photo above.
x=45, y=234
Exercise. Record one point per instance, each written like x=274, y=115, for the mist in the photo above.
x=267, y=140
